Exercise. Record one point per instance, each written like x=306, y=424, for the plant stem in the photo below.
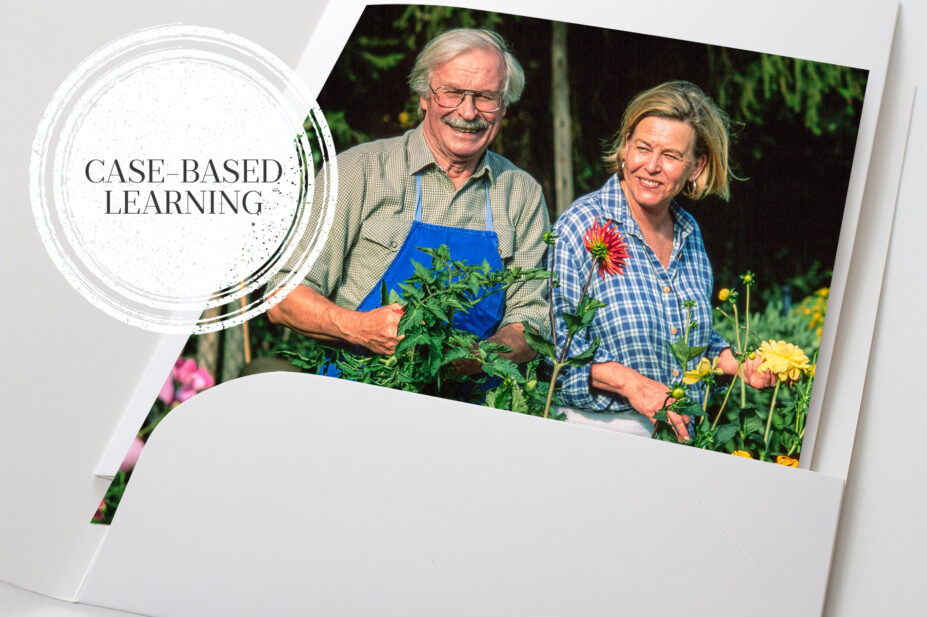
x=561, y=359
x=705, y=401
x=737, y=328
x=772, y=410
x=550, y=389
x=550, y=305
x=724, y=402
x=743, y=387
x=747, y=318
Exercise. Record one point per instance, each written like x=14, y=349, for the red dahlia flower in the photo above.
x=608, y=249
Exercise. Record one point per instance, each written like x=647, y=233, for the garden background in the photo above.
x=795, y=127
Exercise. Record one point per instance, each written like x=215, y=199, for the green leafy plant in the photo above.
x=609, y=251
x=767, y=426
x=426, y=359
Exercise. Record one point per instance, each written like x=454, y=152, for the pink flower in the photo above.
x=128, y=463
x=201, y=379
x=198, y=380
x=183, y=368
x=190, y=380
x=166, y=395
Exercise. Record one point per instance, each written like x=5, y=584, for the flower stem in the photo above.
x=550, y=390
x=747, y=318
x=772, y=410
x=561, y=359
x=705, y=401
x=550, y=305
x=743, y=387
x=737, y=328
x=724, y=402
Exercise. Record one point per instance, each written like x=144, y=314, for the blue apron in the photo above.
x=469, y=245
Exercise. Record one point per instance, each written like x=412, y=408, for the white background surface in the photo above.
x=879, y=561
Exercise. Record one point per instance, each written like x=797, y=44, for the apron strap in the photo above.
x=418, y=197
x=488, y=208
x=418, y=202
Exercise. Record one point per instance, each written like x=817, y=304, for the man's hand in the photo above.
x=376, y=330
x=512, y=336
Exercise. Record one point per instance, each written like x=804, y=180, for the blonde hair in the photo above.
x=445, y=47
x=684, y=101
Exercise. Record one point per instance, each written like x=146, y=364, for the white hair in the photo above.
x=445, y=47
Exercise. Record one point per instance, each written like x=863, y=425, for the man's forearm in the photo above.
x=310, y=313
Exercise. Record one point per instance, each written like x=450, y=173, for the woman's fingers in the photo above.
x=679, y=425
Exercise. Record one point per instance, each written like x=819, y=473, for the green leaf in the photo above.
x=753, y=425
x=573, y=321
x=777, y=422
x=502, y=367
x=661, y=416
x=538, y=343
x=680, y=351
x=519, y=404
x=587, y=309
x=437, y=311
x=726, y=431
x=585, y=357
x=495, y=347
x=695, y=352
x=384, y=293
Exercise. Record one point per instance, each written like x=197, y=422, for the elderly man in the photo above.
x=437, y=184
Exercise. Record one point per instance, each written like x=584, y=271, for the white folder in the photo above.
x=288, y=494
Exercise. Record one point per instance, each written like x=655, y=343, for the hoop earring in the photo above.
x=692, y=190
x=622, y=169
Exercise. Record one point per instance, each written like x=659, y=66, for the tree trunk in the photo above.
x=560, y=105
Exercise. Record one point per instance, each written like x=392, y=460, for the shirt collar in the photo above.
x=616, y=208
x=421, y=156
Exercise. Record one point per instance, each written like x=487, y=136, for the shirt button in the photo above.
x=666, y=289
x=673, y=330
x=675, y=372
x=393, y=245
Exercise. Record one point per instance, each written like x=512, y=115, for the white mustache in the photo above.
x=466, y=125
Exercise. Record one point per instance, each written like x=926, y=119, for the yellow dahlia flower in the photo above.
x=787, y=361
x=742, y=453
x=703, y=369
x=787, y=461
x=724, y=294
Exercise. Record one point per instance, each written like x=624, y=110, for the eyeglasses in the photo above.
x=451, y=98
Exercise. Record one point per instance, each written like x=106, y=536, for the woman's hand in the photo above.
x=645, y=395
x=752, y=374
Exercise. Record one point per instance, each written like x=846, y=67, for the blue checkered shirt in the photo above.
x=643, y=309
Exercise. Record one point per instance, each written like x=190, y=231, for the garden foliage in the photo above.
x=429, y=359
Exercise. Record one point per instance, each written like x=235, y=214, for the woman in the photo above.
x=673, y=139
